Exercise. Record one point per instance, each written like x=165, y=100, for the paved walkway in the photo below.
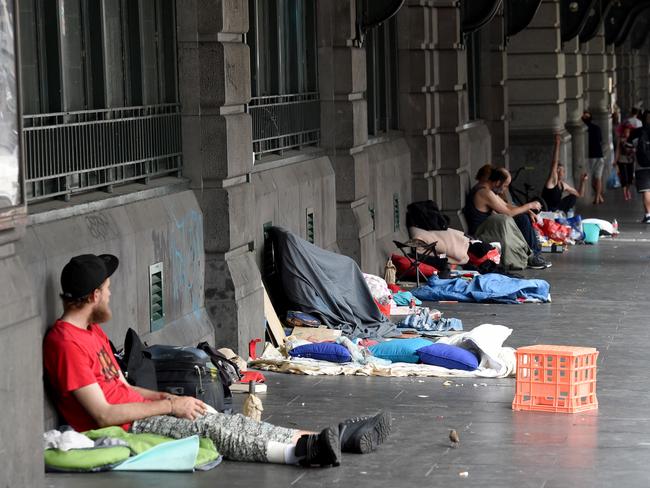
x=600, y=296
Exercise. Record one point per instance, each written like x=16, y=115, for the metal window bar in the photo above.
x=72, y=152
x=283, y=122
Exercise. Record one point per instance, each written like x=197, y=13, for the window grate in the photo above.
x=285, y=122
x=72, y=152
x=310, y=225
x=156, y=301
x=382, y=73
x=285, y=104
x=396, y=212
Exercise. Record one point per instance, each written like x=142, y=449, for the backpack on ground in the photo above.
x=228, y=371
x=190, y=371
x=135, y=362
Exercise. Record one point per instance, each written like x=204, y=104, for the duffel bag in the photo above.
x=189, y=371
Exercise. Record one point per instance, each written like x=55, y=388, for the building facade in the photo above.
x=174, y=133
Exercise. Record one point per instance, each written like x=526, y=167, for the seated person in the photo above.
x=91, y=392
x=555, y=185
x=483, y=201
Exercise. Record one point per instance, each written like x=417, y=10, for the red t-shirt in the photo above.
x=74, y=358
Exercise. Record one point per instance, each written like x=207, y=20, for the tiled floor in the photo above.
x=600, y=296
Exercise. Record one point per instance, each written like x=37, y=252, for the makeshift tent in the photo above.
x=327, y=285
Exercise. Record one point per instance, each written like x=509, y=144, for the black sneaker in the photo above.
x=538, y=262
x=322, y=449
x=646, y=220
x=364, y=434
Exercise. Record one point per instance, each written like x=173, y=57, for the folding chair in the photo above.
x=415, y=258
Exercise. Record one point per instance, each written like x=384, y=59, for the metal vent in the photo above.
x=156, y=305
x=310, y=225
x=396, y=212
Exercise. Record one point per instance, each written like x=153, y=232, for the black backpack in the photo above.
x=135, y=362
x=643, y=148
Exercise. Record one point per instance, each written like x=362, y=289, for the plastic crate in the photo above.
x=556, y=379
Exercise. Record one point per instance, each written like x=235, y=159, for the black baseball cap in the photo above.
x=84, y=274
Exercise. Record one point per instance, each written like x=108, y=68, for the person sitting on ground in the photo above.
x=91, y=392
x=624, y=160
x=641, y=137
x=555, y=185
x=596, y=156
x=483, y=202
x=483, y=173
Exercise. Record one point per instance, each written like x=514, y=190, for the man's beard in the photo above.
x=101, y=314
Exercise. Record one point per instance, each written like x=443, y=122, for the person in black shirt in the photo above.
x=642, y=174
x=595, y=155
x=555, y=185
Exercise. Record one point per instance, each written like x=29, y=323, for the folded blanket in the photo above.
x=451, y=242
x=494, y=288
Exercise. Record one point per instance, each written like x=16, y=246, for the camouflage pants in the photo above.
x=236, y=437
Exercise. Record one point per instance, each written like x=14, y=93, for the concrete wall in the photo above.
x=283, y=195
x=389, y=162
x=167, y=229
x=21, y=400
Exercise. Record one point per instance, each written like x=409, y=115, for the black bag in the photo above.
x=137, y=365
x=426, y=216
x=228, y=371
x=643, y=148
x=189, y=371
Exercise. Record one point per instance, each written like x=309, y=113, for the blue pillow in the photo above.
x=324, y=351
x=399, y=350
x=448, y=356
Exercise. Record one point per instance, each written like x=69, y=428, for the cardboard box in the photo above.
x=316, y=334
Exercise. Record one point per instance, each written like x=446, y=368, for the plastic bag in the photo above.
x=554, y=231
x=613, y=181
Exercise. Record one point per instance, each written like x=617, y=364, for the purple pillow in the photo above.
x=448, y=356
x=323, y=351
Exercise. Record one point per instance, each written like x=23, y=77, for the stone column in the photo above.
x=344, y=126
x=537, y=95
x=416, y=39
x=576, y=165
x=597, y=96
x=635, y=75
x=644, y=74
x=215, y=84
x=623, y=79
x=494, y=90
x=459, y=145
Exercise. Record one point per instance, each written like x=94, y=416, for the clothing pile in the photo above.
x=114, y=449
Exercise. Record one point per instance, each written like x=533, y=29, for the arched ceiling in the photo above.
x=574, y=15
x=519, y=13
x=622, y=18
x=596, y=14
x=476, y=13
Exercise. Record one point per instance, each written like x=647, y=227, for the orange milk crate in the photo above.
x=556, y=379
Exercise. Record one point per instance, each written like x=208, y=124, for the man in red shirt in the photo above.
x=90, y=391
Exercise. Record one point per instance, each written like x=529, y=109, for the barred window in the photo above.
x=285, y=105
x=100, y=94
x=382, y=75
x=473, y=44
